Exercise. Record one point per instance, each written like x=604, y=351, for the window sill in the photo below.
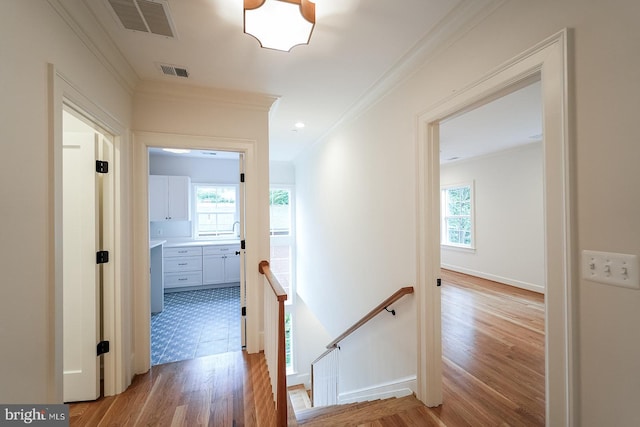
x=458, y=248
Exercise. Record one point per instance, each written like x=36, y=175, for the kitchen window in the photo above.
x=216, y=211
x=457, y=217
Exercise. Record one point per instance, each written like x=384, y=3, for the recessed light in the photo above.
x=299, y=125
x=176, y=150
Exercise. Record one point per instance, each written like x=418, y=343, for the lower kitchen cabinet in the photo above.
x=220, y=264
x=201, y=265
x=182, y=267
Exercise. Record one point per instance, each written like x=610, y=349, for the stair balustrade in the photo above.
x=274, y=340
x=325, y=369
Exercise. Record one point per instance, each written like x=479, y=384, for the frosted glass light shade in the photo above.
x=279, y=24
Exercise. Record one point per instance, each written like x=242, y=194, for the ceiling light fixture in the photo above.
x=176, y=150
x=279, y=24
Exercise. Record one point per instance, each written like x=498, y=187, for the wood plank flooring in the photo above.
x=493, y=375
x=493, y=354
x=493, y=364
x=230, y=389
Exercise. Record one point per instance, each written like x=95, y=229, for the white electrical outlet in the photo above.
x=611, y=268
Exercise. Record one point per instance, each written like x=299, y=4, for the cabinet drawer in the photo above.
x=220, y=249
x=183, y=251
x=175, y=264
x=176, y=280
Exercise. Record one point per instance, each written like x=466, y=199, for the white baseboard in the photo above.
x=295, y=379
x=399, y=388
x=507, y=281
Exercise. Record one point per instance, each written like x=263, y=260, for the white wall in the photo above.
x=30, y=359
x=356, y=242
x=211, y=171
x=283, y=173
x=509, y=223
x=363, y=246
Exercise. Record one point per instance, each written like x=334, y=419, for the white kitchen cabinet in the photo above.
x=169, y=198
x=182, y=267
x=213, y=269
x=232, y=267
x=220, y=264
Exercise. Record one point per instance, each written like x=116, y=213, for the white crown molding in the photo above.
x=93, y=35
x=238, y=99
x=464, y=17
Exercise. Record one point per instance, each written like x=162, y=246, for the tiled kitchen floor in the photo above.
x=196, y=323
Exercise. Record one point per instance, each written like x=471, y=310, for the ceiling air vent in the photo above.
x=148, y=16
x=172, y=70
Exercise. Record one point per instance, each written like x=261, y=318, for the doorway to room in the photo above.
x=492, y=254
x=196, y=229
x=547, y=62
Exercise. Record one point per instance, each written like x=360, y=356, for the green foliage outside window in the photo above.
x=279, y=197
x=457, y=216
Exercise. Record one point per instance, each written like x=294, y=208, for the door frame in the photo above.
x=549, y=61
x=62, y=91
x=142, y=141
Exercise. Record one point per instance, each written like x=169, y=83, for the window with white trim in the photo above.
x=216, y=211
x=281, y=230
x=457, y=204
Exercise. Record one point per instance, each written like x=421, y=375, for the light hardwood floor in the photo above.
x=493, y=353
x=493, y=375
x=226, y=390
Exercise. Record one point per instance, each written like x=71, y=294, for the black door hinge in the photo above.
x=439, y=282
x=242, y=245
x=102, y=257
x=102, y=167
x=103, y=347
x=241, y=177
x=244, y=311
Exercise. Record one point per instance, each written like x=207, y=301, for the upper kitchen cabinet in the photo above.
x=169, y=198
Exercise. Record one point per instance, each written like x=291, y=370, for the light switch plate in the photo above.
x=611, y=268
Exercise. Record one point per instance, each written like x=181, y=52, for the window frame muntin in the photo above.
x=444, y=217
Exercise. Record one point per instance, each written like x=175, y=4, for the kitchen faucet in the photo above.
x=233, y=228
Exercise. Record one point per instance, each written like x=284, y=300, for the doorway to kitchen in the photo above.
x=196, y=230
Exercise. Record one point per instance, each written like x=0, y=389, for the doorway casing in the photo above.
x=142, y=308
x=63, y=92
x=549, y=61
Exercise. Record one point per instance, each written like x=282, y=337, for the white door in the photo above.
x=81, y=298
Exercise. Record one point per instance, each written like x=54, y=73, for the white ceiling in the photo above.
x=512, y=120
x=357, y=49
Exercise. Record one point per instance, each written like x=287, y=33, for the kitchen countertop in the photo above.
x=181, y=244
x=155, y=243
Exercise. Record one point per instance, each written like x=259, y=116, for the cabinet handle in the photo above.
x=182, y=279
x=182, y=252
x=183, y=263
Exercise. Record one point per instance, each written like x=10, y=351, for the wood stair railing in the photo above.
x=331, y=369
x=373, y=313
x=280, y=394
